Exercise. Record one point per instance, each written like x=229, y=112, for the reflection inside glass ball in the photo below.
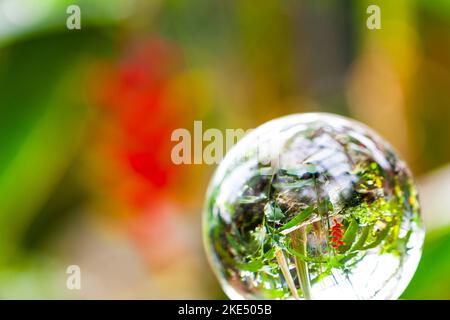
x=313, y=206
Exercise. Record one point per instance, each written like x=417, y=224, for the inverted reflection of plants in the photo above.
x=318, y=223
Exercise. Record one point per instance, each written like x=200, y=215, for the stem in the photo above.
x=299, y=244
x=286, y=273
x=318, y=232
x=323, y=215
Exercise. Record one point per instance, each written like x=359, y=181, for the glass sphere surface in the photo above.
x=313, y=206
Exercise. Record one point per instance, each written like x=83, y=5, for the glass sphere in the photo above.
x=313, y=206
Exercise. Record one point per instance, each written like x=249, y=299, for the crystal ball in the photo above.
x=313, y=206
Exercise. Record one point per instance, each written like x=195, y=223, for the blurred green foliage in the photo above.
x=432, y=279
x=43, y=119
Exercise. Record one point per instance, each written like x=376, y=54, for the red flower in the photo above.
x=336, y=234
x=141, y=110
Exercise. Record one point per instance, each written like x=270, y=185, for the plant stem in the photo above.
x=286, y=273
x=299, y=244
x=318, y=233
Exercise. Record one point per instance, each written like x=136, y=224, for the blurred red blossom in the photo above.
x=142, y=109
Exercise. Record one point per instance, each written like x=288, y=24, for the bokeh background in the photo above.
x=86, y=118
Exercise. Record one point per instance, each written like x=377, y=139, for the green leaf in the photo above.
x=302, y=169
x=273, y=213
x=294, y=252
x=234, y=243
x=253, y=266
x=350, y=233
x=251, y=199
x=322, y=275
x=293, y=185
x=300, y=217
x=362, y=238
x=380, y=236
x=325, y=205
x=348, y=257
x=269, y=255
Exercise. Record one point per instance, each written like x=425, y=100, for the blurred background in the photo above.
x=86, y=118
